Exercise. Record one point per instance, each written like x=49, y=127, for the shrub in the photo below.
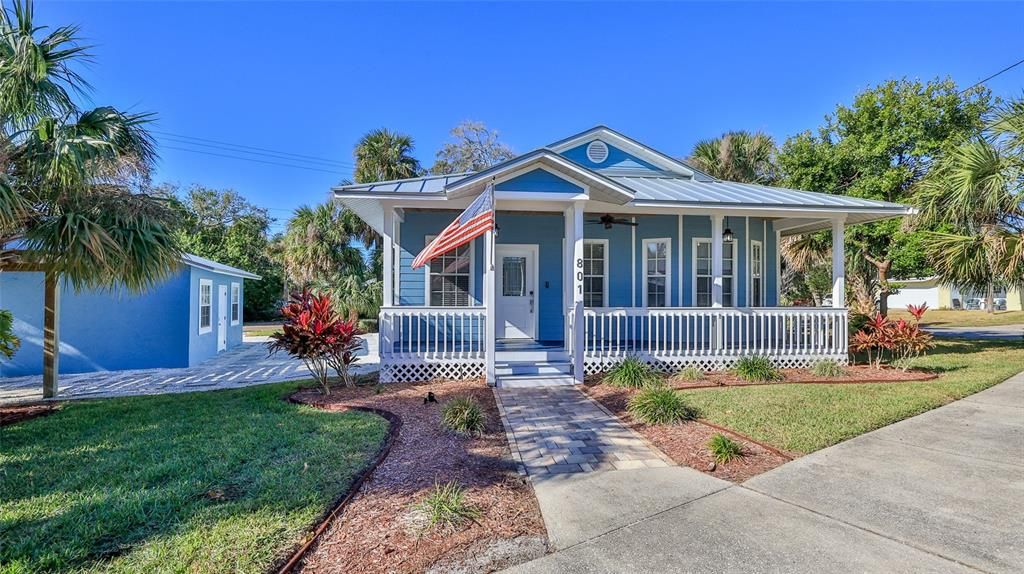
x=757, y=368
x=660, y=405
x=828, y=368
x=447, y=506
x=902, y=340
x=308, y=333
x=691, y=373
x=632, y=373
x=343, y=352
x=724, y=448
x=463, y=415
x=9, y=342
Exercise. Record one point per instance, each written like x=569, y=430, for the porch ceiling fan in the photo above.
x=608, y=220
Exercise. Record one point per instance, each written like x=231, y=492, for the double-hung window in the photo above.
x=236, y=303
x=703, y=277
x=448, y=277
x=205, y=305
x=756, y=274
x=657, y=272
x=595, y=272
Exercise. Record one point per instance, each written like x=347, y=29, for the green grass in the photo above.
x=828, y=368
x=632, y=373
x=446, y=506
x=805, y=418
x=463, y=415
x=261, y=330
x=951, y=318
x=660, y=405
x=724, y=448
x=224, y=481
x=756, y=368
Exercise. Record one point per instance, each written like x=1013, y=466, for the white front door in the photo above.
x=515, y=278
x=222, y=317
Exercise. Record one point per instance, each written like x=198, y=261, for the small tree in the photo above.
x=309, y=333
x=343, y=353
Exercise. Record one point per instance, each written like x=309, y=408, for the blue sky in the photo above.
x=310, y=79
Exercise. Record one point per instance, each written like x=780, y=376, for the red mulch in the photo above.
x=16, y=413
x=686, y=443
x=856, y=374
x=374, y=533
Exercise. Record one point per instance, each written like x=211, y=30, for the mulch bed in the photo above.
x=686, y=443
x=376, y=532
x=856, y=374
x=17, y=413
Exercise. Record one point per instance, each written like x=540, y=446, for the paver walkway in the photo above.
x=242, y=366
x=559, y=430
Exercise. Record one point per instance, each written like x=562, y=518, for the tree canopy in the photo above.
x=383, y=155
x=475, y=148
x=737, y=156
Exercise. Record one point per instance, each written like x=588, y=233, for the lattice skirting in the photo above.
x=594, y=365
x=406, y=371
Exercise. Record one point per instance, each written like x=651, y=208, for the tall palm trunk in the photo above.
x=990, y=298
x=51, y=338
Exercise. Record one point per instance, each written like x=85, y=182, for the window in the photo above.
x=513, y=276
x=756, y=274
x=448, y=277
x=205, y=306
x=702, y=273
x=595, y=272
x=658, y=280
x=236, y=303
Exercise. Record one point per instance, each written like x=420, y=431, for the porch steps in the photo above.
x=531, y=356
x=533, y=381
x=521, y=368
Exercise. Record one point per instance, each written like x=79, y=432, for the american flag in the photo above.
x=472, y=223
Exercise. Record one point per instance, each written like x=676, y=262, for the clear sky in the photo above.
x=310, y=79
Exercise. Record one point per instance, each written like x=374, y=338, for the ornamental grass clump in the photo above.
x=691, y=373
x=828, y=369
x=660, y=405
x=724, y=449
x=757, y=368
x=464, y=415
x=446, y=506
x=632, y=373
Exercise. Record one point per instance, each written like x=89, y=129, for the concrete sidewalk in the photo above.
x=940, y=492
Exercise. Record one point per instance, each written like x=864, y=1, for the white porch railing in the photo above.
x=421, y=343
x=715, y=337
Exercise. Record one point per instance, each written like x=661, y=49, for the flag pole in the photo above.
x=490, y=333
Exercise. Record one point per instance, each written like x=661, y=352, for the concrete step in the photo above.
x=532, y=368
x=532, y=356
x=525, y=382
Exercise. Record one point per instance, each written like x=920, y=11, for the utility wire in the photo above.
x=254, y=160
x=241, y=146
x=317, y=163
x=1006, y=69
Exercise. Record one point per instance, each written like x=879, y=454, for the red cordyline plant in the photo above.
x=902, y=340
x=314, y=333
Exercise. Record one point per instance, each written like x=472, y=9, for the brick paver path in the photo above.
x=559, y=430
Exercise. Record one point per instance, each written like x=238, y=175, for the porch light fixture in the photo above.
x=727, y=235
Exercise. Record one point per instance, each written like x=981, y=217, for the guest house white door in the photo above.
x=515, y=268
x=222, y=317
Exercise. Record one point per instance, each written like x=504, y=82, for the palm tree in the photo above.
x=975, y=193
x=317, y=244
x=383, y=155
x=737, y=156
x=72, y=182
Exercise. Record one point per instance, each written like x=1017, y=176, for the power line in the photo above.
x=242, y=146
x=257, y=153
x=1006, y=69
x=263, y=161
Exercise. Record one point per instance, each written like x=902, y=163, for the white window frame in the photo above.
x=473, y=302
x=668, y=268
x=697, y=241
x=235, y=309
x=760, y=273
x=208, y=283
x=604, y=272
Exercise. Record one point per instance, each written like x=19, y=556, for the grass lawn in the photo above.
x=223, y=481
x=805, y=418
x=949, y=318
x=261, y=330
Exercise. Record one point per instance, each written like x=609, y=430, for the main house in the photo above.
x=606, y=248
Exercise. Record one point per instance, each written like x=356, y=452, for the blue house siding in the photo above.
x=539, y=180
x=99, y=330
x=617, y=159
x=414, y=231
x=204, y=346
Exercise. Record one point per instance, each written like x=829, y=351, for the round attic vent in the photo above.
x=597, y=151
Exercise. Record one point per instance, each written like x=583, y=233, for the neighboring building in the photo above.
x=938, y=296
x=606, y=248
x=180, y=322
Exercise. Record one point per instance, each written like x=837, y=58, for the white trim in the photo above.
x=693, y=269
x=750, y=272
x=746, y=258
x=607, y=256
x=668, y=268
x=236, y=301
x=632, y=147
x=682, y=257
x=534, y=250
x=473, y=301
x=778, y=263
x=632, y=264
x=199, y=316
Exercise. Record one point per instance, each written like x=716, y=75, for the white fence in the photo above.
x=423, y=343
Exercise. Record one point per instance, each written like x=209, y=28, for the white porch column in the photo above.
x=389, y=256
x=716, y=261
x=490, y=331
x=568, y=248
x=838, y=263
x=577, y=292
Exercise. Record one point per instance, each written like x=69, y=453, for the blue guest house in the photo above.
x=181, y=322
x=605, y=248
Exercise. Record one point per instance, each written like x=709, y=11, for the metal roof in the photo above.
x=210, y=265
x=425, y=184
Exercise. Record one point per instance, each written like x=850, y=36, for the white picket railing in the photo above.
x=432, y=333
x=716, y=332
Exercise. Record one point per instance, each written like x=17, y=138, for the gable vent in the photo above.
x=597, y=151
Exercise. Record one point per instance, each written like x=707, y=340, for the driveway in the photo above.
x=940, y=492
x=993, y=332
x=242, y=366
